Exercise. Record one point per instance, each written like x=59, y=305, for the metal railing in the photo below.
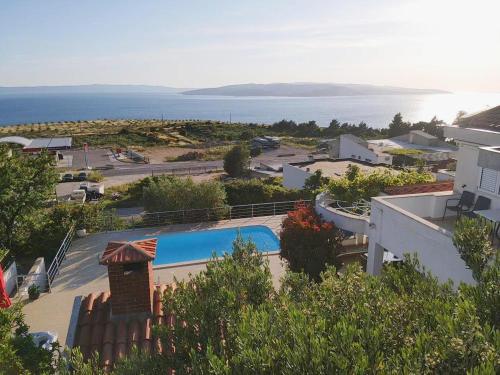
x=53, y=269
x=359, y=208
x=215, y=214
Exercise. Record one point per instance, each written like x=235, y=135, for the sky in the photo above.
x=442, y=44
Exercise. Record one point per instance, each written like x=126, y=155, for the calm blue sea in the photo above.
x=375, y=110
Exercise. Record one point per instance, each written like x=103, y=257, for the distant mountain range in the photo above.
x=90, y=89
x=249, y=89
x=308, y=90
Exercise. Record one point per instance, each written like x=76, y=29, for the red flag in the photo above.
x=4, y=297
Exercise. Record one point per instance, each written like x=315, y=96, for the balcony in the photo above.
x=412, y=224
x=352, y=218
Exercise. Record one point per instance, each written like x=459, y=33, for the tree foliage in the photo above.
x=26, y=182
x=398, y=126
x=230, y=320
x=18, y=353
x=308, y=243
x=315, y=182
x=236, y=161
x=261, y=191
x=472, y=239
x=170, y=193
x=355, y=186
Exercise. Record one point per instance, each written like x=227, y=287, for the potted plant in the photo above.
x=33, y=292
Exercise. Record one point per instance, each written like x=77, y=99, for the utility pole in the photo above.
x=229, y=117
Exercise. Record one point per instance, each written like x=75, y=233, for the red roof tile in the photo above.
x=96, y=331
x=129, y=252
x=420, y=188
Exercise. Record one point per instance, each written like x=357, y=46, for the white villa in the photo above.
x=414, y=223
x=376, y=151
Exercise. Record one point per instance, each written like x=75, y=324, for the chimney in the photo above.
x=130, y=274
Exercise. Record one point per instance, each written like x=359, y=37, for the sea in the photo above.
x=375, y=110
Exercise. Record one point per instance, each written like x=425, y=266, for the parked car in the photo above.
x=82, y=176
x=68, y=177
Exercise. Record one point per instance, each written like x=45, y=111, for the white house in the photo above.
x=348, y=146
x=413, y=223
x=376, y=151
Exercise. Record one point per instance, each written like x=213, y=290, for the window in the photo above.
x=488, y=180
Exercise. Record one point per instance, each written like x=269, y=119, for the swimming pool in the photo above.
x=198, y=245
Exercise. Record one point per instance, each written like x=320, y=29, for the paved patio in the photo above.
x=81, y=274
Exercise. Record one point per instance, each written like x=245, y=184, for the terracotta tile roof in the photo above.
x=113, y=339
x=129, y=252
x=420, y=188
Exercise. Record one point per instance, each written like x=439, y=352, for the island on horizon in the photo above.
x=247, y=89
x=309, y=90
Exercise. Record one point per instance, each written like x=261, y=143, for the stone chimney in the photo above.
x=130, y=274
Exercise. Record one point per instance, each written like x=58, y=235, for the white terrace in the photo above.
x=414, y=223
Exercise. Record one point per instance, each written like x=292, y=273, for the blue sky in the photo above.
x=445, y=44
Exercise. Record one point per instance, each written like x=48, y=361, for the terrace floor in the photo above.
x=81, y=274
x=449, y=224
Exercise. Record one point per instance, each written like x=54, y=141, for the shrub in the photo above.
x=188, y=156
x=356, y=185
x=260, y=191
x=95, y=176
x=170, y=193
x=236, y=161
x=308, y=243
x=230, y=320
x=255, y=151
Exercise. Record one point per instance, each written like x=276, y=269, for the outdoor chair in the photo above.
x=482, y=203
x=464, y=203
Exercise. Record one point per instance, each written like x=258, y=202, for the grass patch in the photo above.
x=403, y=151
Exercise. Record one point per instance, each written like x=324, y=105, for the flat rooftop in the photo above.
x=381, y=144
x=338, y=168
x=62, y=142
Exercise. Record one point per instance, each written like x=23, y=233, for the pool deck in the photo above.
x=81, y=274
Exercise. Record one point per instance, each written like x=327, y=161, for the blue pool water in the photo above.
x=190, y=246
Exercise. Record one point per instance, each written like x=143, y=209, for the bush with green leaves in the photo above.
x=236, y=161
x=230, y=320
x=355, y=185
x=18, y=353
x=26, y=183
x=170, y=193
x=261, y=191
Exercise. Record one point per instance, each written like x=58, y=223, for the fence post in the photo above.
x=252, y=209
x=274, y=208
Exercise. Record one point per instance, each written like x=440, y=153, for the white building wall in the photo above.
x=400, y=231
x=350, y=149
x=294, y=177
x=10, y=277
x=468, y=173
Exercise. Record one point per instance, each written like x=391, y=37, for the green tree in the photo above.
x=18, y=353
x=236, y=161
x=170, y=193
x=398, y=126
x=257, y=190
x=230, y=320
x=315, y=182
x=472, y=239
x=26, y=182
